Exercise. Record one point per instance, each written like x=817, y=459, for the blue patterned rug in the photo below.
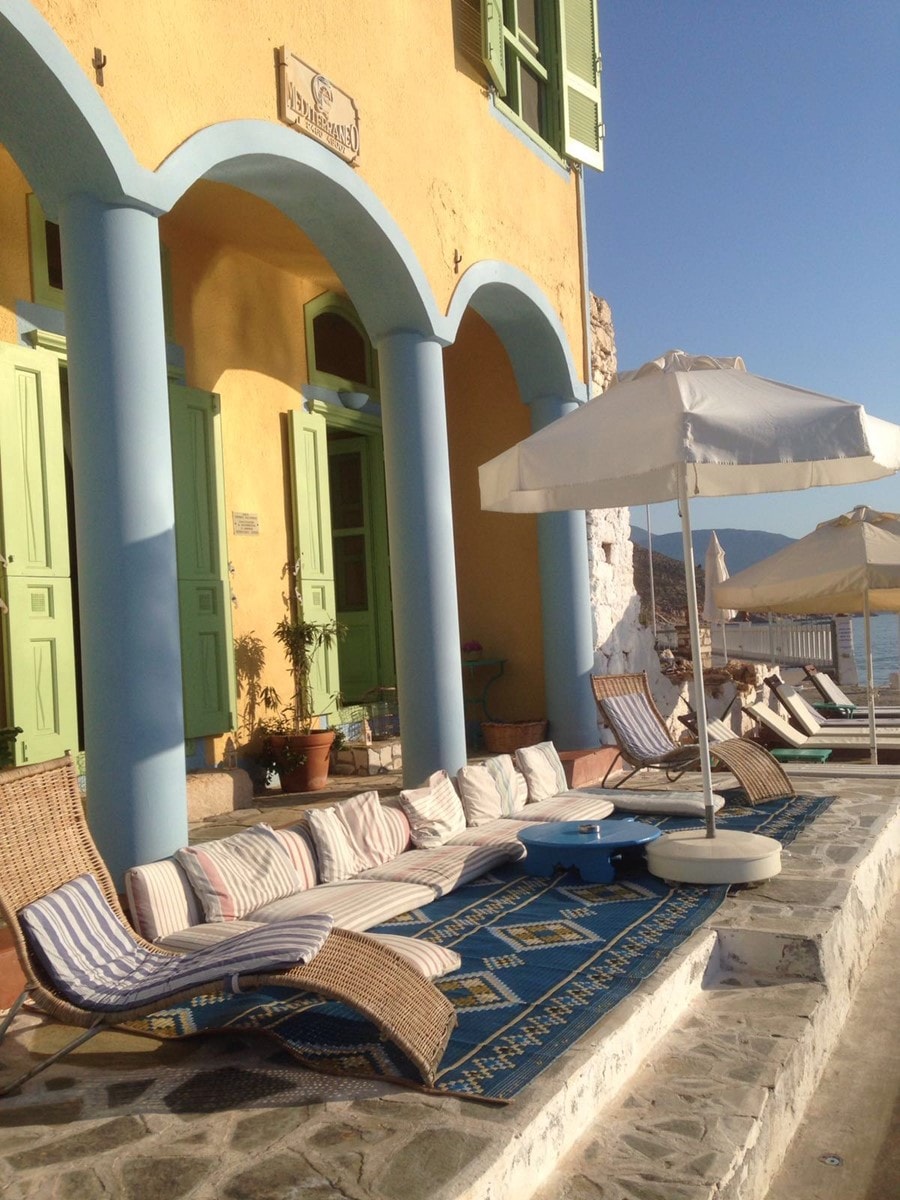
x=543, y=961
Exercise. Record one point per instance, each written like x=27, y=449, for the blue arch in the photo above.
x=54, y=124
x=526, y=324
x=325, y=198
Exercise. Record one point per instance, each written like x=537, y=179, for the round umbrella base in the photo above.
x=729, y=857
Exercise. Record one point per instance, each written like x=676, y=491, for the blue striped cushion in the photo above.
x=95, y=963
x=636, y=726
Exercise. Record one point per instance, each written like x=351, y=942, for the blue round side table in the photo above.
x=589, y=846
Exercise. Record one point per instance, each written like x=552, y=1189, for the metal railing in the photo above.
x=791, y=643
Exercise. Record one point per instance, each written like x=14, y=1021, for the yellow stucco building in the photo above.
x=273, y=282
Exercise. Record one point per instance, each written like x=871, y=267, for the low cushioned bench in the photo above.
x=365, y=861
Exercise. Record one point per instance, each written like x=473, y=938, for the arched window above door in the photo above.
x=338, y=350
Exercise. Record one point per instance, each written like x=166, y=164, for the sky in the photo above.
x=750, y=204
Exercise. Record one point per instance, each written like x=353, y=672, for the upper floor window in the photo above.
x=543, y=58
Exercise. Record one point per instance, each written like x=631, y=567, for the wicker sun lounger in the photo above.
x=45, y=844
x=627, y=706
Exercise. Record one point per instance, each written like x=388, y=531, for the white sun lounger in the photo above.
x=824, y=740
x=832, y=694
x=806, y=718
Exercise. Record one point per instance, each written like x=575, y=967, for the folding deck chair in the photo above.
x=814, y=723
x=836, y=702
x=629, y=710
x=789, y=736
x=85, y=966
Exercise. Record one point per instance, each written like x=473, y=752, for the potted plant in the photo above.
x=294, y=745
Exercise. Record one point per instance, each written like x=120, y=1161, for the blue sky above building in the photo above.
x=749, y=206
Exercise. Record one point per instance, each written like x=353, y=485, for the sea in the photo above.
x=885, y=647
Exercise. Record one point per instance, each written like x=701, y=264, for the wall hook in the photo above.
x=98, y=62
x=457, y=259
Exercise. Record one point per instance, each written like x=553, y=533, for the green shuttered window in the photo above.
x=543, y=59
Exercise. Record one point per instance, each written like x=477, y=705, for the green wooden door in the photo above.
x=203, y=591
x=312, y=543
x=38, y=640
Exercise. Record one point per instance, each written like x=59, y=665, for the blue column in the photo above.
x=568, y=632
x=423, y=566
x=124, y=513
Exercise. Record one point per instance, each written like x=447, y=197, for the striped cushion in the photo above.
x=501, y=832
x=636, y=726
x=337, y=857
x=579, y=805
x=670, y=804
x=355, y=904
x=237, y=874
x=543, y=771
x=479, y=794
x=444, y=867
x=160, y=899
x=370, y=831
x=429, y=960
x=434, y=811
x=397, y=825
x=298, y=843
x=504, y=774
x=96, y=963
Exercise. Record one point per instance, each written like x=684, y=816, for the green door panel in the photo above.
x=203, y=593
x=37, y=633
x=312, y=542
x=42, y=692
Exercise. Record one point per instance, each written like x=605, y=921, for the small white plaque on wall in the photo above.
x=245, y=523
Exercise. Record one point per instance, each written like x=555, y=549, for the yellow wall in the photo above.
x=15, y=280
x=496, y=553
x=453, y=177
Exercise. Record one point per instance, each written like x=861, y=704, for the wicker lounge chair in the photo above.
x=836, y=702
x=627, y=707
x=45, y=844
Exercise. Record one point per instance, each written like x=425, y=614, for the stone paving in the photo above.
x=689, y=1089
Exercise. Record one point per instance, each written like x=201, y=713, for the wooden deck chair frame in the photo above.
x=834, y=698
x=45, y=842
x=757, y=772
x=815, y=723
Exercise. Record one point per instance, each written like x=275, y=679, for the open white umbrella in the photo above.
x=714, y=573
x=850, y=564
x=682, y=426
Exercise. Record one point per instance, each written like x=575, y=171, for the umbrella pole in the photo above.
x=694, y=624
x=870, y=679
x=652, y=584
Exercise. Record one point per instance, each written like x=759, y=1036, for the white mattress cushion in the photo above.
x=355, y=904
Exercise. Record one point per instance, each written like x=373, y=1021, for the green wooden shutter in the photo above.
x=203, y=591
x=493, y=47
x=38, y=634
x=582, y=114
x=312, y=542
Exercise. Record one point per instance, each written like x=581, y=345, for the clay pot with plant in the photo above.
x=294, y=745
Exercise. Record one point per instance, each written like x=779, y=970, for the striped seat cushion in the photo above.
x=234, y=875
x=429, y=959
x=636, y=727
x=96, y=963
x=510, y=784
x=579, y=805
x=442, y=868
x=355, y=904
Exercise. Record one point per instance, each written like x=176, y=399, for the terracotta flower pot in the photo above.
x=310, y=774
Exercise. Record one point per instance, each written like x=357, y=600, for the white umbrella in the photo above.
x=850, y=564
x=714, y=573
x=686, y=425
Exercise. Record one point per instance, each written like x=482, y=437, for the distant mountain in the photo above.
x=669, y=589
x=743, y=547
